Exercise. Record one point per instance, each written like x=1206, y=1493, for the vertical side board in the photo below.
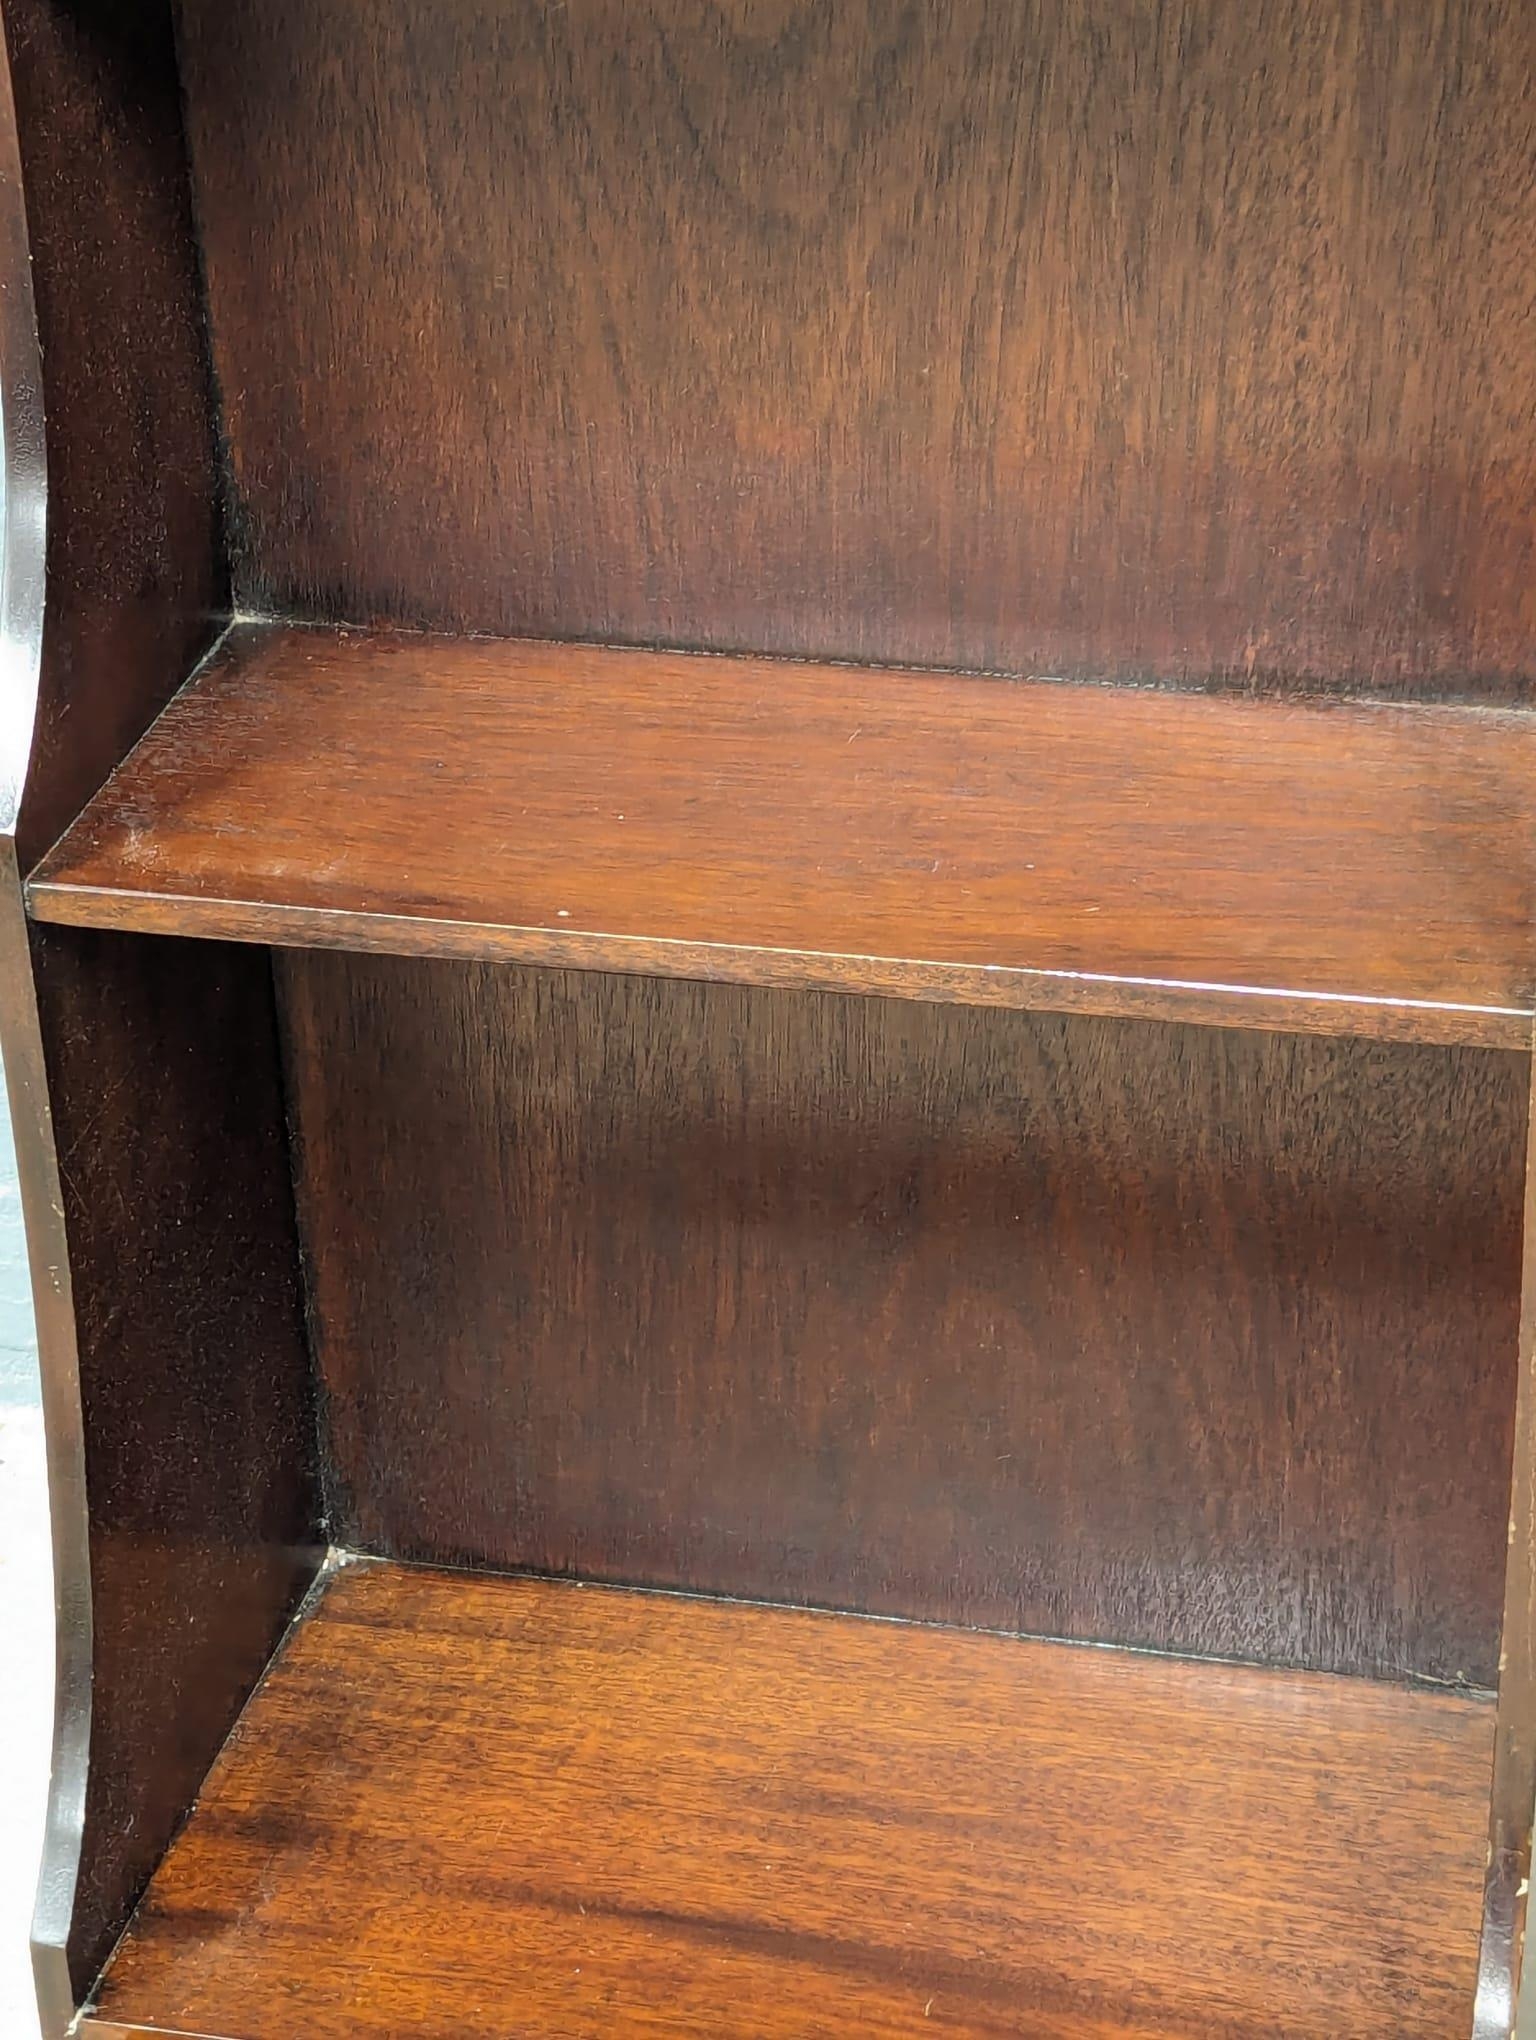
x=23, y=520
x=145, y=1077
x=197, y=1426
x=1506, y=1996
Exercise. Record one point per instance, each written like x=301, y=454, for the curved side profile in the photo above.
x=1506, y=1982
x=172, y=1589
x=23, y=476
x=23, y=480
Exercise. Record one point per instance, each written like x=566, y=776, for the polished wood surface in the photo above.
x=1348, y=869
x=189, y=1429
x=1177, y=1336
x=1182, y=346
x=195, y=1385
x=137, y=583
x=1507, y=1885
x=505, y=1807
x=1181, y=341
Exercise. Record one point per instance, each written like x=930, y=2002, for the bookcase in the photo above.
x=768, y=979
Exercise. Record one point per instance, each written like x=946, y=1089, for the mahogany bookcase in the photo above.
x=769, y=977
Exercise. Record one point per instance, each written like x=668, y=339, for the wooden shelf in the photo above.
x=507, y=1807
x=1342, y=869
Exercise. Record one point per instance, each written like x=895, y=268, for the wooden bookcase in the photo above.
x=769, y=969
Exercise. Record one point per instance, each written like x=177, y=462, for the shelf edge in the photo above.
x=1355, y=1016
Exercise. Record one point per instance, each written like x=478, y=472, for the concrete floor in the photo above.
x=26, y=1611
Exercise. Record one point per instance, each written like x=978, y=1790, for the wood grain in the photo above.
x=1183, y=341
x=163, y=1103
x=512, y=1808
x=195, y=1385
x=137, y=582
x=1199, y=1339
x=1507, y=1883
x=1341, y=868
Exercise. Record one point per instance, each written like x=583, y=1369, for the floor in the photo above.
x=26, y=1611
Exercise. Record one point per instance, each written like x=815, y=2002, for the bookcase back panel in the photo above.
x=1180, y=341
x=1121, y=1331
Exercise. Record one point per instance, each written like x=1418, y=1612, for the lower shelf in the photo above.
x=494, y=1807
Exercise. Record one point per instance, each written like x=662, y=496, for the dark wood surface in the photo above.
x=1186, y=1337
x=1186, y=345
x=195, y=1382
x=137, y=584
x=1340, y=868
x=163, y=1102
x=1188, y=340
x=1507, y=1885
x=504, y=1807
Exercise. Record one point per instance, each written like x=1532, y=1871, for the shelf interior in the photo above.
x=506, y=1807
x=1347, y=869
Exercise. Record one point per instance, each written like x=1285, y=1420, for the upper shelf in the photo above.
x=1359, y=869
